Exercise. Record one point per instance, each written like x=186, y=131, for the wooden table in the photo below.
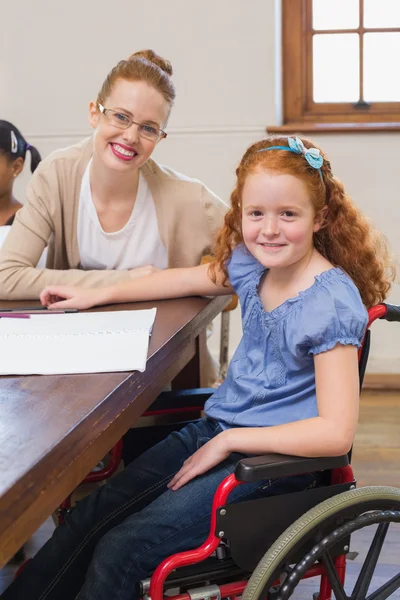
x=54, y=429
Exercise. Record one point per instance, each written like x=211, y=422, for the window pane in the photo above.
x=381, y=13
x=335, y=14
x=381, y=83
x=336, y=69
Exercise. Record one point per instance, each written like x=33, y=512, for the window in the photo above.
x=340, y=64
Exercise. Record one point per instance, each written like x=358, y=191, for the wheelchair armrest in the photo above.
x=270, y=466
x=392, y=313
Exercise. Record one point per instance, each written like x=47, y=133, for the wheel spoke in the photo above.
x=334, y=580
x=364, y=579
x=287, y=569
x=386, y=590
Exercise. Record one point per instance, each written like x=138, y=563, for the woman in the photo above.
x=13, y=149
x=106, y=210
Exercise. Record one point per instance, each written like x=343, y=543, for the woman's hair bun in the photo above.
x=151, y=56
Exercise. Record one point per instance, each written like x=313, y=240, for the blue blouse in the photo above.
x=271, y=378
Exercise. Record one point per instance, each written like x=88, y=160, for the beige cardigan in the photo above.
x=188, y=216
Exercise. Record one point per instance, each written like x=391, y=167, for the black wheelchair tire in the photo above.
x=264, y=575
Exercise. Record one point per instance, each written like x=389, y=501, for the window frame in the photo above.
x=298, y=106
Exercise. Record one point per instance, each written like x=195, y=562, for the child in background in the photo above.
x=305, y=264
x=13, y=148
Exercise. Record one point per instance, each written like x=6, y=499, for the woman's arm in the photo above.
x=329, y=434
x=20, y=279
x=170, y=283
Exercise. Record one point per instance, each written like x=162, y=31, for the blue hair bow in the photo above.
x=312, y=155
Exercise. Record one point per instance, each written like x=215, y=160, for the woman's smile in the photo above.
x=123, y=152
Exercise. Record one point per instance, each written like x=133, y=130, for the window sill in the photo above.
x=333, y=127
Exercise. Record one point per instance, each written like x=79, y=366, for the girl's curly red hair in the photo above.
x=346, y=238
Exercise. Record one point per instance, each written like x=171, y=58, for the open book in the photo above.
x=97, y=342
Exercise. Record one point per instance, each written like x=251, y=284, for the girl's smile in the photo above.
x=272, y=247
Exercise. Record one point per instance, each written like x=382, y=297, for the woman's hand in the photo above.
x=207, y=457
x=65, y=296
x=142, y=271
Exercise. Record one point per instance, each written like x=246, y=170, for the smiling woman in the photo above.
x=108, y=212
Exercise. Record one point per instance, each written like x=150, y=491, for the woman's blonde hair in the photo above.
x=346, y=238
x=146, y=66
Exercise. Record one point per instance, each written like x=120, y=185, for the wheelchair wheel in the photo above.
x=277, y=574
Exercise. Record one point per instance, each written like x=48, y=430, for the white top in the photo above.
x=137, y=244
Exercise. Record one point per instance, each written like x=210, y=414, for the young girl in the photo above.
x=106, y=210
x=295, y=250
x=13, y=149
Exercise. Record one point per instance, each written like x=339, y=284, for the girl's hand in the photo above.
x=64, y=296
x=207, y=457
x=142, y=271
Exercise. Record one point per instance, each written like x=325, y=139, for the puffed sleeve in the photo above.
x=243, y=270
x=332, y=314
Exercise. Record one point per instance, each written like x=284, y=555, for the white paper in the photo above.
x=75, y=343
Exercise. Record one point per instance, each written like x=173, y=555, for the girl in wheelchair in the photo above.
x=305, y=264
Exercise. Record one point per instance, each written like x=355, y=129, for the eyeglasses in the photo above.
x=122, y=121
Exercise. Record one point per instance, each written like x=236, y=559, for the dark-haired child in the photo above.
x=13, y=149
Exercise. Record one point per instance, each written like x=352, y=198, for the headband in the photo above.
x=312, y=155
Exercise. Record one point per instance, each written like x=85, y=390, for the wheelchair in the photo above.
x=264, y=548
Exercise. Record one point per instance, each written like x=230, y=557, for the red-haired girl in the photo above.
x=305, y=264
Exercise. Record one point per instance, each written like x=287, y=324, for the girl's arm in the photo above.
x=170, y=283
x=329, y=434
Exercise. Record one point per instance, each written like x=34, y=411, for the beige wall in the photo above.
x=54, y=56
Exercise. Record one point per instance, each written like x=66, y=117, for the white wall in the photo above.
x=54, y=56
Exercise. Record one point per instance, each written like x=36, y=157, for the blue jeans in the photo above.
x=121, y=532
